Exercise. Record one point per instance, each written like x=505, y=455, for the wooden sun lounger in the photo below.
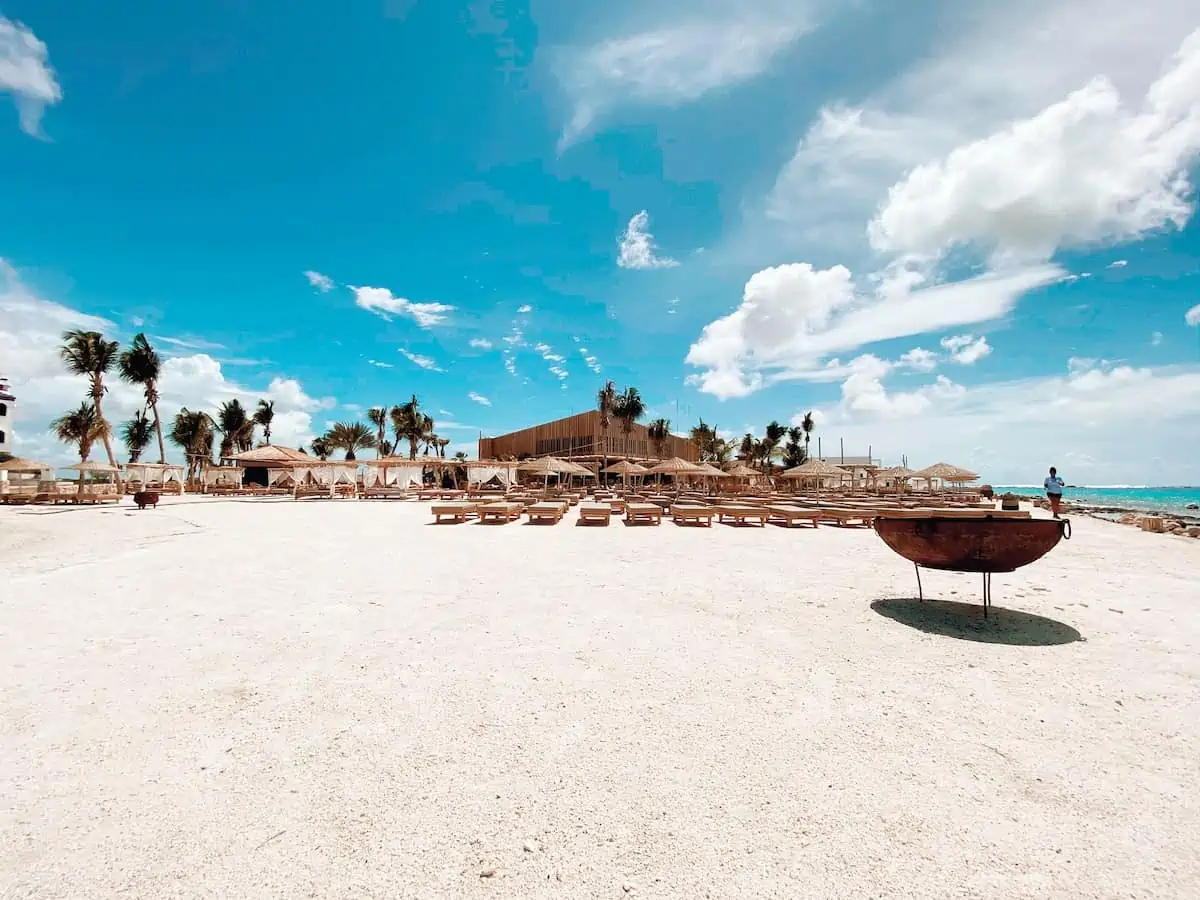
x=783, y=514
x=499, y=512
x=616, y=504
x=547, y=510
x=458, y=511
x=739, y=514
x=595, y=512
x=390, y=492
x=693, y=515
x=844, y=517
x=650, y=513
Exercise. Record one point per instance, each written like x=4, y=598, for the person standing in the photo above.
x=1054, y=491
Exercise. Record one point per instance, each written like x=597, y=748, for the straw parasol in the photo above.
x=625, y=468
x=741, y=470
x=23, y=466
x=545, y=466
x=273, y=456
x=945, y=472
x=91, y=466
x=711, y=471
x=674, y=466
x=816, y=469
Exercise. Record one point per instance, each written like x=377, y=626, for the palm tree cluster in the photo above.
x=710, y=446
x=625, y=408
x=778, y=443
x=409, y=423
x=87, y=353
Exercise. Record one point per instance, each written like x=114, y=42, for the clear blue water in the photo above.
x=1172, y=500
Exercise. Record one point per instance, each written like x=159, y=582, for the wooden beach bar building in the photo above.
x=580, y=437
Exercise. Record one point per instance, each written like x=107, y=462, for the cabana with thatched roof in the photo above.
x=99, y=490
x=22, y=490
x=274, y=462
x=817, y=471
x=394, y=472
x=945, y=472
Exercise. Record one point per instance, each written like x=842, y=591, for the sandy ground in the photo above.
x=245, y=699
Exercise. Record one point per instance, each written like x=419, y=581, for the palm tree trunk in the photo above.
x=162, y=448
x=97, y=394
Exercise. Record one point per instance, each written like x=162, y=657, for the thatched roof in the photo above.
x=674, y=466
x=741, y=470
x=544, y=465
x=575, y=468
x=20, y=465
x=896, y=472
x=91, y=466
x=815, y=468
x=625, y=467
x=273, y=456
x=946, y=472
x=711, y=471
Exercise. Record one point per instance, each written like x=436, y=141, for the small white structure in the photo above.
x=6, y=417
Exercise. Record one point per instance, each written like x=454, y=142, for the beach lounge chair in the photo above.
x=550, y=511
x=786, y=515
x=616, y=504
x=684, y=514
x=499, y=512
x=846, y=517
x=456, y=511
x=650, y=513
x=739, y=515
x=595, y=512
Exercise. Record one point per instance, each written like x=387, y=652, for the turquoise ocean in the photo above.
x=1173, y=500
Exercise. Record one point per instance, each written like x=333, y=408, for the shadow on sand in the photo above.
x=965, y=621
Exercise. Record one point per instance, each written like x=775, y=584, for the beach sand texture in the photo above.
x=245, y=699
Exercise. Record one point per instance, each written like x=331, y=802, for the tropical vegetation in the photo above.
x=140, y=365
x=137, y=434
x=87, y=353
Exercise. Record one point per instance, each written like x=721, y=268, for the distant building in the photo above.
x=6, y=417
x=581, y=437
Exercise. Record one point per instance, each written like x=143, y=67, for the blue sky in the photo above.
x=961, y=231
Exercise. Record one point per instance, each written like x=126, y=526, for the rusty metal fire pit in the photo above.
x=986, y=545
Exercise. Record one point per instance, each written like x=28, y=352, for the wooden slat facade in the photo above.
x=581, y=436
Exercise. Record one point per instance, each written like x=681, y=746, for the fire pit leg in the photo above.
x=987, y=593
x=920, y=590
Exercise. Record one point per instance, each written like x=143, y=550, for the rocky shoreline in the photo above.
x=1171, y=523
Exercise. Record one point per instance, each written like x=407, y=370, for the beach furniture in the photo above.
x=846, y=517
x=551, y=511
x=499, y=512
x=455, y=511
x=740, y=515
x=786, y=515
x=617, y=504
x=595, y=512
x=692, y=515
x=650, y=513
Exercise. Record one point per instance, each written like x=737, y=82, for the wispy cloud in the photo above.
x=322, y=283
x=381, y=365
x=1118, y=264
x=480, y=343
x=425, y=362
x=479, y=398
x=383, y=303
x=25, y=72
x=548, y=353
x=636, y=248
x=1192, y=316
x=189, y=343
x=676, y=62
x=590, y=361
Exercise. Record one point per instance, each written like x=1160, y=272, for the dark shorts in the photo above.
x=1053, y=496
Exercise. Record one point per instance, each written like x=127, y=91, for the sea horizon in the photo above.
x=1171, y=499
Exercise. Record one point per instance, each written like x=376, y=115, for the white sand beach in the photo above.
x=251, y=698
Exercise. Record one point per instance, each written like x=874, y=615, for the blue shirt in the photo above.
x=1054, y=485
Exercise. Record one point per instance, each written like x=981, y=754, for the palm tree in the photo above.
x=87, y=353
x=657, y=431
x=627, y=409
x=81, y=427
x=137, y=434
x=264, y=415
x=410, y=424
x=378, y=416
x=794, y=453
x=140, y=365
x=349, y=436
x=321, y=448
x=808, y=425
x=705, y=439
x=606, y=400
x=747, y=449
x=193, y=431
x=443, y=443
x=237, y=427
x=387, y=448
x=770, y=443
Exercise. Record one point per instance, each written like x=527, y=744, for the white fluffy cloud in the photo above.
x=479, y=398
x=966, y=349
x=791, y=316
x=322, y=283
x=676, y=63
x=30, y=334
x=383, y=303
x=25, y=72
x=1192, y=316
x=1083, y=170
x=424, y=362
x=920, y=359
x=1011, y=431
x=524, y=309
x=480, y=343
x=590, y=361
x=636, y=249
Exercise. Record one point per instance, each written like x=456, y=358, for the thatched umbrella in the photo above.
x=625, y=468
x=741, y=470
x=816, y=469
x=675, y=466
x=945, y=472
x=546, y=466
